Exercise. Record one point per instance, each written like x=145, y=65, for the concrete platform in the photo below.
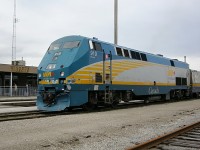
x=17, y=102
x=17, y=109
x=5, y=106
x=28, y=98
x=12, y=104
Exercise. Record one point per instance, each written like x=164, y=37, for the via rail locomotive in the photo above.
x=77, y=71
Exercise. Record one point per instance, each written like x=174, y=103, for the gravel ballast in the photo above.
x=117, y=129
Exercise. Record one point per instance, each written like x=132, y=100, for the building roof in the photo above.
x=18, y=69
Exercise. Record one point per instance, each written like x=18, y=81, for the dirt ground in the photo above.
x=111, y=130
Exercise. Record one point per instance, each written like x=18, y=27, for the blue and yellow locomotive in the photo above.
x=85, y=72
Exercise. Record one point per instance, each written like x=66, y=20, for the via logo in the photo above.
x=48, y=74
x=93, y=54
x=154, y=90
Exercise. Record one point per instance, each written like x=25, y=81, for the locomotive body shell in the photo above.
x=77, y=70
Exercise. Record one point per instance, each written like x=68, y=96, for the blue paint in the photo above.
x=61, y=103
x=69, y=60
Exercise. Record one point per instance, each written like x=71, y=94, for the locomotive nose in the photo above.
x=49, y=98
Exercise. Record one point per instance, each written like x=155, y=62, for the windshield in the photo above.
x=54, y=47
x=72, y=44
x=51, y=66
x=57, y=46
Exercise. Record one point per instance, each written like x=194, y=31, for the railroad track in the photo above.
x=22, y=115
x=39, y=114
x=185, y=138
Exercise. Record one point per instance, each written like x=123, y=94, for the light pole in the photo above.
x=115, y=21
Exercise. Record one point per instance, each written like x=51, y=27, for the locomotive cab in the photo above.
x=59, y=62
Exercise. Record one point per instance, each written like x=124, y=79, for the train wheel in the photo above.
x=196, y=95
x=146, y=101
x=114, y=104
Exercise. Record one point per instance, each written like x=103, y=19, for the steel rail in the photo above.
x=39, y=114
x=21, y=115
x=156, y=141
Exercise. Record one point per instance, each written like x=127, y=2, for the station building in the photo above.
x=22, y=76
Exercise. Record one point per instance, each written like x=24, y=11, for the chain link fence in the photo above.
x=18, y=91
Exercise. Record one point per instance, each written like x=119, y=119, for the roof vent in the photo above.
x=160, y=55
x=175, y=59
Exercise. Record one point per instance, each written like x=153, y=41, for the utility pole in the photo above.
x=115, y=21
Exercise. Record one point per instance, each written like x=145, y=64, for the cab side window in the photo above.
x=95, y=45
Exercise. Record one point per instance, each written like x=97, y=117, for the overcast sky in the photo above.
x=168, y=27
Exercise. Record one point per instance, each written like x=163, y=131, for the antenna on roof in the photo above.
x=15, y=20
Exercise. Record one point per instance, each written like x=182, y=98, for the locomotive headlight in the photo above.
x=62, y=73
x=39, y=75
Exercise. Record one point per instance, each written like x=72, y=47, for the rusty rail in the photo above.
x=156, y=141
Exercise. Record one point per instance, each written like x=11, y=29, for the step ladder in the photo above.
x=108, y=96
